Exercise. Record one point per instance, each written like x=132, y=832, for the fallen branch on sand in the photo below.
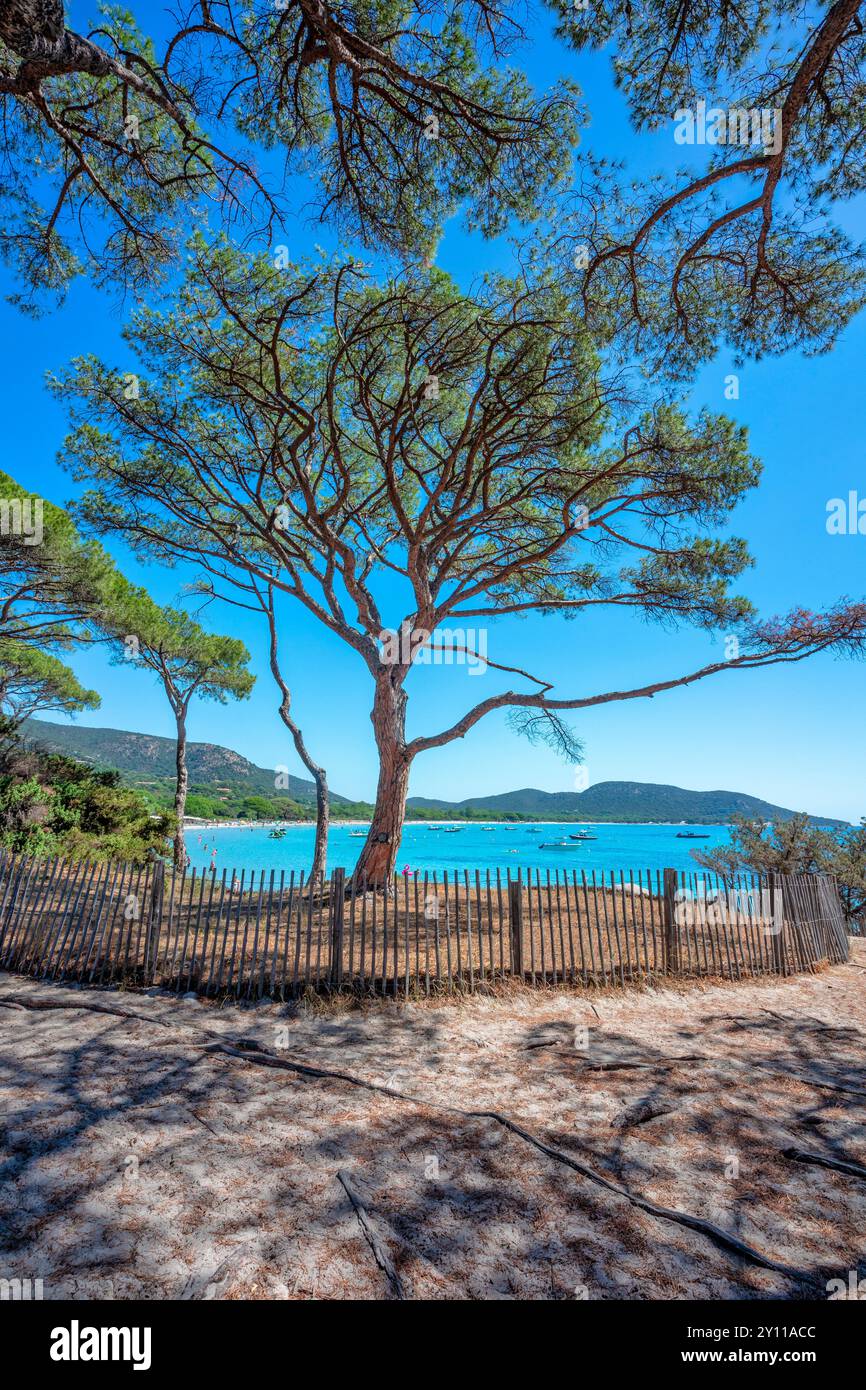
x=383, y=1259
x=656, y=1063
x=854, y=1170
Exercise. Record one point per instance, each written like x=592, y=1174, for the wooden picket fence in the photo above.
x=273, y=934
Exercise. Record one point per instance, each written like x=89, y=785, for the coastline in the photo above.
x=362, y=824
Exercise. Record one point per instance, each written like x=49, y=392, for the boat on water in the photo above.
x=690, y=835
x=558, y=844
x=453, y=829
x=582, y=837
x=277, y=835
x=357, y=834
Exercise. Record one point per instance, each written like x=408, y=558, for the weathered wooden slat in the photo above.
x=187, y=909
x=427, y=905
x=318, y=886
x=203, y=917
x=72, y=886
x=479, y=921
x=72, y=921
x=102, y=918
x=539, y=910
x=247, y=907
x=253, y=971
x=336, y=914
x=437, y=936
x=584, y=923
x=238, y=892
x=418, y=921
x=408, y=960
x=298, y=934
x=456, y=927
x=131, y=915
x=271, y=971
x=615, y=958
x=352, y=908
x=620, y=914
x=12, y=871
x=530, y=923
x=19, y=919
x=557, y=934
x=605, y=941
x=288, y=938
x=40, y=912
x=374, y=901
x=363, y=945
x=469, y=947
x=77, y=923
x=60, y=889
x=490, y=933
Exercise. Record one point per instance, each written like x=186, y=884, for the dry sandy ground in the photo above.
x=138, y=1163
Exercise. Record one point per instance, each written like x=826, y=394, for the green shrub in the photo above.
x=51, y=804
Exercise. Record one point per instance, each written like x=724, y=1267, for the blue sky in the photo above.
x=792, y=735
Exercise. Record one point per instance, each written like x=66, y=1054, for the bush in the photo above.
x=51, y=804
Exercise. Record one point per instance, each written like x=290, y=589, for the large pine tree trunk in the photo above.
x=378, y=858
x=180, y=790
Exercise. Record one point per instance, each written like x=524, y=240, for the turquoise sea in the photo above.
x=626, y=847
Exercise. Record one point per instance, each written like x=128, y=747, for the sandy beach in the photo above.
x=140, y=1162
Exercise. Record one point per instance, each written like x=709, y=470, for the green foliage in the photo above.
x=186, y=658
x=301, y=378
x=53, y=805
x=32, y=680
x=257, y=808
x=742, y=248
x=101, y=166
x=796, y=846
x=398, y=110
x=51, y=578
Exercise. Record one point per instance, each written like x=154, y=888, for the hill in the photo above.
x=221, y=782
x=620, y=801
x=224, y=783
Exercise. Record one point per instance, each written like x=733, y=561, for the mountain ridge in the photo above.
x=146, y=761
x=636, y=802
x=145, y=758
